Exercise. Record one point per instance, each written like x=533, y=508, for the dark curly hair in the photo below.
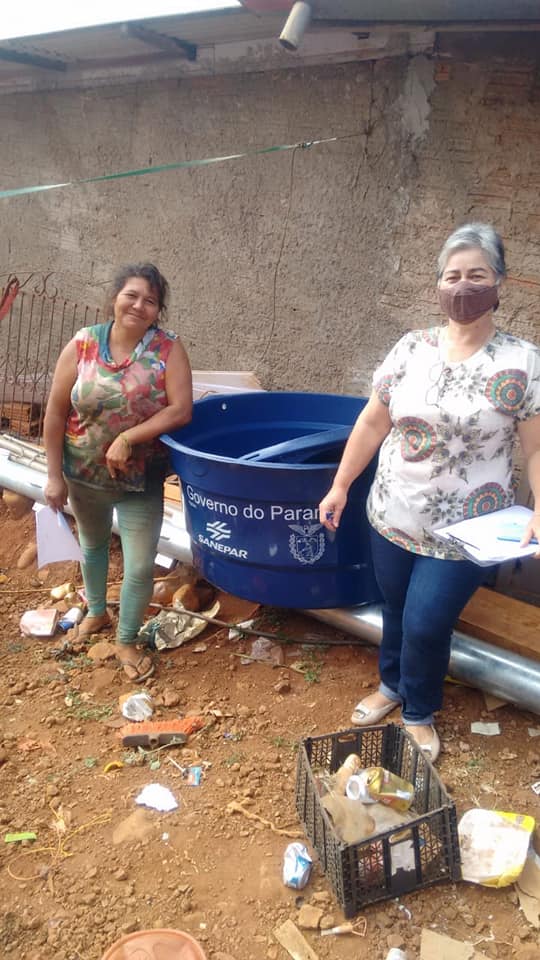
x=148, y=272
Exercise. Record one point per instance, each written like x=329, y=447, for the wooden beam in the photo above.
x=160, y=40
x=503, y=621
x=32, y=60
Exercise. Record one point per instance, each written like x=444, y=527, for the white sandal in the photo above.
x=363, y=716
x=432, y=748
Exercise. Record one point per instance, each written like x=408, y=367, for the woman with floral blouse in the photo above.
x=117, y=386
x=445, y=409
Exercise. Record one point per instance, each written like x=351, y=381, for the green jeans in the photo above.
x=139, y=517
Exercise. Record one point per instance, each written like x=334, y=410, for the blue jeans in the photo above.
x=139, y=524
x=422, y=599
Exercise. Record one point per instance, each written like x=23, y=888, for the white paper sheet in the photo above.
x=479, y=538
x=55, y=540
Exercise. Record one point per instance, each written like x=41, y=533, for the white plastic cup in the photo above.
x=396, y=954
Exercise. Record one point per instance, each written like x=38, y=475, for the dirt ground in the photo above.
x=102, y=867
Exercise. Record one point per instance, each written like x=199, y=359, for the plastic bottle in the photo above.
x=396, y=954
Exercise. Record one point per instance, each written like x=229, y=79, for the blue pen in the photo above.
x=331, y=534
x=515, y=539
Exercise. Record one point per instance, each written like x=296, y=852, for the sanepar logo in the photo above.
x=217, y=530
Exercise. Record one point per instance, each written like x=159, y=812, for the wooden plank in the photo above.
x=172, y=491
x=503, y=622
x=296, y=945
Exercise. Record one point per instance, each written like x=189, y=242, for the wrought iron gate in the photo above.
x=39, y=324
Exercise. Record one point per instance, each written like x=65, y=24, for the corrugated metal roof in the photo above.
x=109, y=42
x=81, y=52
x=214, y=27
x=409, y=11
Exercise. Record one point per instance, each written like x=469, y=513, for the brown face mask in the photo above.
x=466, y=301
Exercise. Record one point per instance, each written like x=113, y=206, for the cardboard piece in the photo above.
x=210, y=382
x=531, y=908
x=492, y=702
x=437, y=946
x=529, y=879
x=290, y=938
x=528, y=889
x=171, y=491
x=55, y=541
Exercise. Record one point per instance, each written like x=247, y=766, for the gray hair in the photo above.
x=481, y=235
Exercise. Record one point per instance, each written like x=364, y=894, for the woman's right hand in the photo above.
x=331, y=507
x=56, y=493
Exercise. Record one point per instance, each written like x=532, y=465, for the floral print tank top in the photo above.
x=109, y=397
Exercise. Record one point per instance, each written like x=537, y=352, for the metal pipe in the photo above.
x=16, y=445
x=502, y=673
x=174, y=540
x=295, y=27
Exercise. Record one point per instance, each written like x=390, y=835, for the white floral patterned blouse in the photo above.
x=448, y=455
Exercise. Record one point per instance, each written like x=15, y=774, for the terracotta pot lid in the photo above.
x=155, y=945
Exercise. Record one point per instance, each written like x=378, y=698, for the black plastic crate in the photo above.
x=423, y=851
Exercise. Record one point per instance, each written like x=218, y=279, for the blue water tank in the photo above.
x=253, y=468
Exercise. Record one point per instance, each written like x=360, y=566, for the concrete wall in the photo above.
x=303, y=266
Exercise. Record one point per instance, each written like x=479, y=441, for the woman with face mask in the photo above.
x=446, y=406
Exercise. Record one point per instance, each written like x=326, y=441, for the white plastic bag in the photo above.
x=297, y=865
x=138, y=707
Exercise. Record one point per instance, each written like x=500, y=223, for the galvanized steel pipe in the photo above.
x=502, y=673
x=29, y=481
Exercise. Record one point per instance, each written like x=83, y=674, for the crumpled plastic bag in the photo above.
x=172, y=628
x=138, y=707
x=297, y=865
x=266, y=651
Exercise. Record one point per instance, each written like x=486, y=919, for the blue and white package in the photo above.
x=297, y=865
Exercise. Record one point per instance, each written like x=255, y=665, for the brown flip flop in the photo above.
x=78, y=633
x=133, y=669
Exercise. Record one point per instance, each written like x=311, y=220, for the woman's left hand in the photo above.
x=118, y=455
x=532, y=530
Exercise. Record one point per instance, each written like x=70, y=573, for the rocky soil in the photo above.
x=102, y=867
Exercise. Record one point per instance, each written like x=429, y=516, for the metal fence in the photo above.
x=32, y=335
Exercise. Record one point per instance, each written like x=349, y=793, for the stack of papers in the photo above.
x=493, y=537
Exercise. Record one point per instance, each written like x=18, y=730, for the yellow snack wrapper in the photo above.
x=388, y=788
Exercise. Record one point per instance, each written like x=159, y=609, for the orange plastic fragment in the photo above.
x=151, y=732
